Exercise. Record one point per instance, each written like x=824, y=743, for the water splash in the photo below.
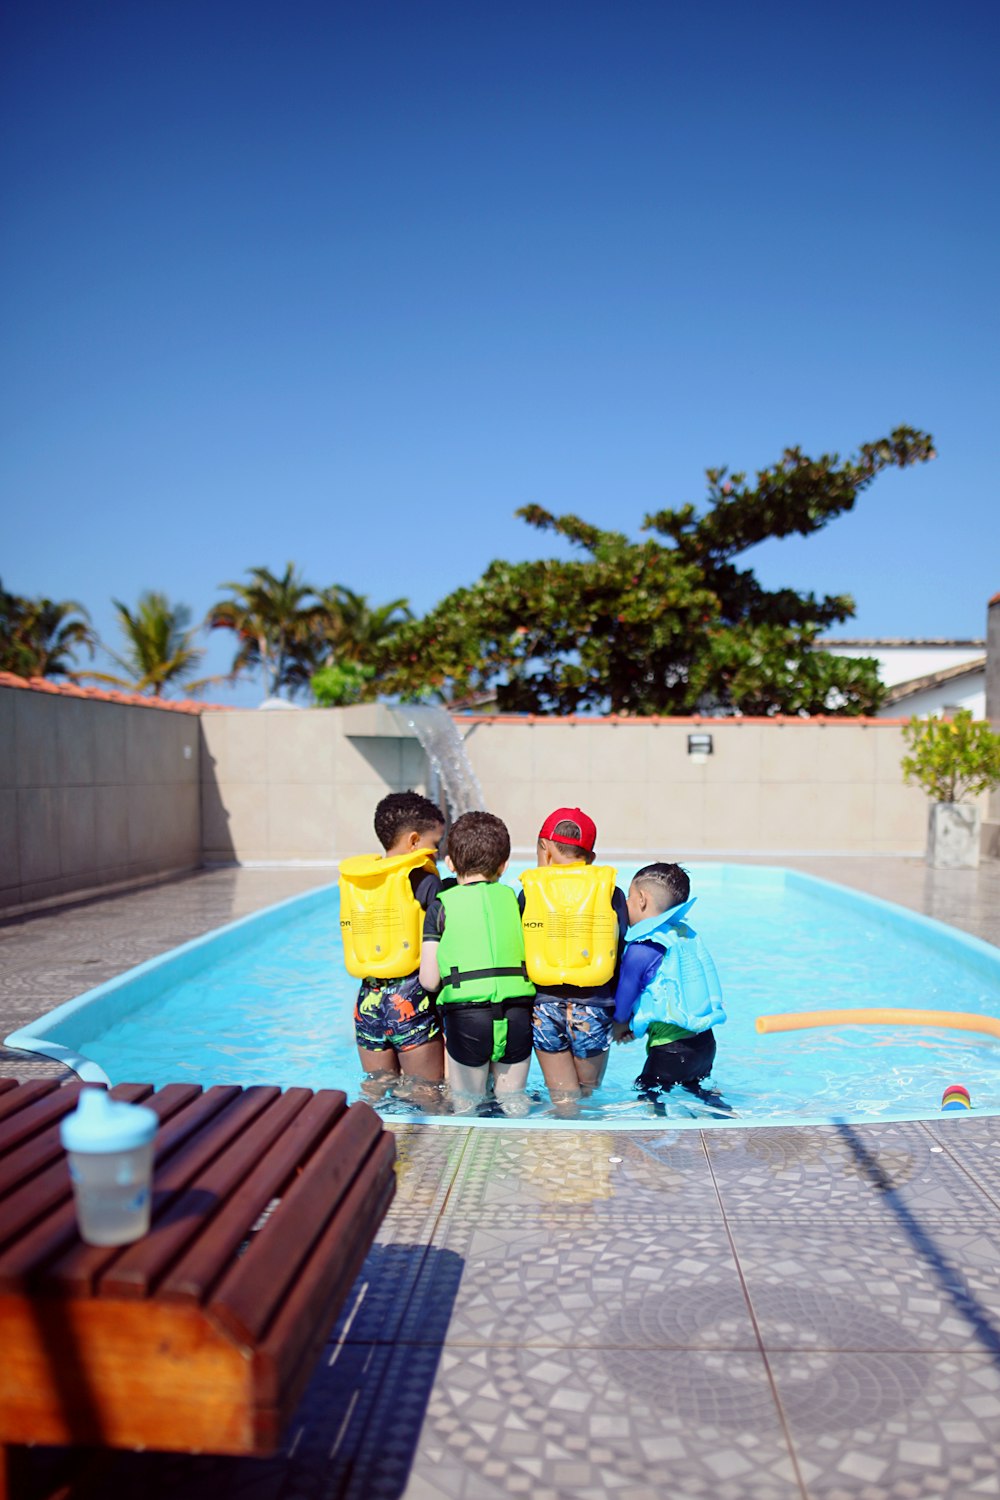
x=452, y=773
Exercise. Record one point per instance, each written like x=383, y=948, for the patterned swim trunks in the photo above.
x=394, y=1013
x=567, y=1026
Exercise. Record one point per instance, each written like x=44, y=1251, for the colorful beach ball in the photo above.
x=956, y=1096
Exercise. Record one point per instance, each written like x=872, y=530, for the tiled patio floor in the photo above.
x=761, y=1314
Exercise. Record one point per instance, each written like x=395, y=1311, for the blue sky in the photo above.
x=346, y=285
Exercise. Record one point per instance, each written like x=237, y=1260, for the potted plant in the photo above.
x=953, y=759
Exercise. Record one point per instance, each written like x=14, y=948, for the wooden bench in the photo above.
x=202, y=1335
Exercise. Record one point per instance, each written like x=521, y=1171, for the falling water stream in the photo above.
x=451, y=771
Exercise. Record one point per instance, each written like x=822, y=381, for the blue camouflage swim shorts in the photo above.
x=394, y=1013
x=568, y=1026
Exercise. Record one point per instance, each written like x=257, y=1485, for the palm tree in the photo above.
x=159, y=650
x=351, y=630
x=275, y=627
x=38, y=636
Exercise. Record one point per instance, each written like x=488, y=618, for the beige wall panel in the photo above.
x=731, y=817
x=214, y=754
x=246, y=746
x=8, y=753
x=109, y=742
x=787, y=816
x=890, y=747
x=366, y=759
x=843, y=816
x=669, y=761
x=144, y=737
x=620, y=753
x=300, y=747
x=736, y=752
x=38, y=832
x=236, y=825
x=900, y=817
x=110, y=827
x=413, y=767
x=623, y=816
x=843, y=754
x=300, y=821
x=36, y=745
x=77, y=830
x=560, y=752
x=182, y=843
x=675, y=820
x=788, y=753
x=10, y=862
x=493, y=751
x=353, y=832
x=75, y=739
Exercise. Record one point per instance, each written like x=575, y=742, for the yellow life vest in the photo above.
x=570, y=926
x=381, y=921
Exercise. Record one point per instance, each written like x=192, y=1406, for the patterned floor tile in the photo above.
x=563, y=1171
x=874, y=1289
x=589, y=1422
x=591, y=1283
x=892, y=1426
x=840, y=1173
x=427, y=1161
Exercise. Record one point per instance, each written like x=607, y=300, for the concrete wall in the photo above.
x=768, y=786
x=300, y=784
x=92, y=793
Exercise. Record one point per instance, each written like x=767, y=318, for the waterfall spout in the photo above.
x=455, y=779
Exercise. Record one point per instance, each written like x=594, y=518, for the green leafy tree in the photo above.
x=351, y=629
x=275, y=622
x=668, y=624
x=952, y=758
x=38, y=637
x=159, y=650
x=336, y=684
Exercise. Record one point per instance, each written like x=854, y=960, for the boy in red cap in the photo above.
x=575, y=919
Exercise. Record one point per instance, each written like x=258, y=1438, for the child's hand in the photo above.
x=621, y=1033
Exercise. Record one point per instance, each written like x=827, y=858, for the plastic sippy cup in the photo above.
x=110, y=1146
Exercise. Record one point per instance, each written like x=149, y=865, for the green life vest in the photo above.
x=481, y=952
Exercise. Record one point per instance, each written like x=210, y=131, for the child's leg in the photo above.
x=590, y=1029
x=468, y=1035
x=375, y=1051
x=550, y=1033
x=467, y=1084
x=510, y=1073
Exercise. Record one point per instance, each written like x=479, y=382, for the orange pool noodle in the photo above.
x=953, y=1020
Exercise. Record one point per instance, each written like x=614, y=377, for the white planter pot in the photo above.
x=953, y=836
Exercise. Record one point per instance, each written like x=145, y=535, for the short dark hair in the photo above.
x=478, y=844
x=569, y=829
x=666, y=883
x=405, y=812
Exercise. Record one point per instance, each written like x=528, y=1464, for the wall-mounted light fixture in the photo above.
x=699, y=746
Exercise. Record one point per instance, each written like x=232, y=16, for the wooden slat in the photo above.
x=302, y=1325
x=211, y=1254
x=24, y=1161
x=40, y=1112
x=264, y=1114
x=25, y=1094
x=248, y=1295
x=6, y=1084
x=24, y=1259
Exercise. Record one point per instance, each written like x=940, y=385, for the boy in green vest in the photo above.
x=473, y=954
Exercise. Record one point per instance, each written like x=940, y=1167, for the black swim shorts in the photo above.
x=468, y=1032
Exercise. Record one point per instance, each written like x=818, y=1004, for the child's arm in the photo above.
x=639, y=963
x=430, y=970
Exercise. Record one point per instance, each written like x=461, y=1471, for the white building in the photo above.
x=924, y=677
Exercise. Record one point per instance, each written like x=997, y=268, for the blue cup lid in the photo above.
x=100, y=1123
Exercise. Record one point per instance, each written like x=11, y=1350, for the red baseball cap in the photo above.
x=587, y=827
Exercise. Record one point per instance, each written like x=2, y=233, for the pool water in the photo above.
x=278, y=1010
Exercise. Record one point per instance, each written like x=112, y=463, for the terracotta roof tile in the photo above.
x=103, y=695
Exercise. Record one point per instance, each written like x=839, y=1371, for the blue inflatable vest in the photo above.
x=685, y=990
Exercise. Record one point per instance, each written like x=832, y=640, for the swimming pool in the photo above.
x=266, y=1000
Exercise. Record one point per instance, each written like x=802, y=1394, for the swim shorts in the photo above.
x=687, y=1060
x=468, y=1032
x=394, y=1013
x=569, y=1026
